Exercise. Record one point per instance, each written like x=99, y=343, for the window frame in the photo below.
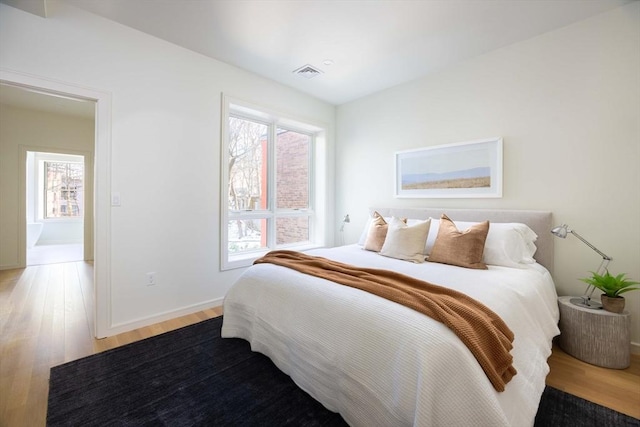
x=45, y=186
x=41, y=186
x=274, y=121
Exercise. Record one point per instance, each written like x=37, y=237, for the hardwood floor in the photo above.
x=46, y=317
x=617, y=389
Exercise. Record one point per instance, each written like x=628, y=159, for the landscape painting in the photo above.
x=466, y=169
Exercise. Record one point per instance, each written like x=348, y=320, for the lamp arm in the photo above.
x=585, y=299
x=604, y=257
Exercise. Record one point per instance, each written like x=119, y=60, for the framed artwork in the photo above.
x=461, y=170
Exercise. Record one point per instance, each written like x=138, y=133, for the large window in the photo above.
x=63, y=189
x=268, y=185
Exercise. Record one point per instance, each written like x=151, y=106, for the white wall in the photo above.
x=567, y=104
x=165, y=156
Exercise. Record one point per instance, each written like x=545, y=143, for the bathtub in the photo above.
x=34, y=229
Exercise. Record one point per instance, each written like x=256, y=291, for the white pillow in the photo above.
x=365, y=232
x=405, y=241
x=509, y=244
x=433, y=233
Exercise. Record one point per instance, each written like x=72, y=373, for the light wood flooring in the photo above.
x=46, y=316
x=54, y=254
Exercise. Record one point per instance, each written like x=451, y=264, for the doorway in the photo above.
x=97, y=240
x=53, y=138
x=56, y=200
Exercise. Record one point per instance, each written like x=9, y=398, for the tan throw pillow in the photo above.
x=377, y=233
x=406, y=241
x=461, y=248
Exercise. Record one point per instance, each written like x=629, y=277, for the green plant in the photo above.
x=612, y=286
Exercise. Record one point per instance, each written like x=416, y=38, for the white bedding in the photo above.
x=378, y=363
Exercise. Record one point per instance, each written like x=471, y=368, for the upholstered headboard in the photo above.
x=539, y=221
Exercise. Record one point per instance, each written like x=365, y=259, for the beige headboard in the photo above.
x=539, y=221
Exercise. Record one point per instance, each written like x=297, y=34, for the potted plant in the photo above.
x=612, y=286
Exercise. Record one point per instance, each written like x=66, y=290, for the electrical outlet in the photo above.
x=151, y=278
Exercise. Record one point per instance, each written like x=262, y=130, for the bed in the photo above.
x=379, y=363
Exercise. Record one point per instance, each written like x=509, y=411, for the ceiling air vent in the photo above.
x=307, y=71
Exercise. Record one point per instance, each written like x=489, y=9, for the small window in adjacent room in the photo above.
x=63, y=190
x=268, y=185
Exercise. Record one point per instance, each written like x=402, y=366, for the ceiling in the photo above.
x=373, y=44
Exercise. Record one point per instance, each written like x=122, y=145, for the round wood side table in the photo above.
x=598, y=337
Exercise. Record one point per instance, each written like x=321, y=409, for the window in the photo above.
x=63, y=189
x=267, y=186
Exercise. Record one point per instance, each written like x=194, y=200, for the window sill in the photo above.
x=246, y=260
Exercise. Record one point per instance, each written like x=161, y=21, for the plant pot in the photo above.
x=612, y=304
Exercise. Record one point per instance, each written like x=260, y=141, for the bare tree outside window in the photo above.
x=247, y=175
x=64, y=189
x=247, y=147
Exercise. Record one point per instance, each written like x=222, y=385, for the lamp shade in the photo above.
x=560, y=231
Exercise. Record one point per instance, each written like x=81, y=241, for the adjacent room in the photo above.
x=55, y=208
x=189, y=190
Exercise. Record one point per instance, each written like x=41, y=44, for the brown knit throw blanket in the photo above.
x=482, y=331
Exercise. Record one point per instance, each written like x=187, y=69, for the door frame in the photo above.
x=101, y=182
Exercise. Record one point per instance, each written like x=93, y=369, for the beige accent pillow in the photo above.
x=406, y=241
x=377, y=233
x=461, y=248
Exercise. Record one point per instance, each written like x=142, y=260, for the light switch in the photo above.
x=115, y=198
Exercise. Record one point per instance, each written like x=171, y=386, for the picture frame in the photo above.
x=461, y=170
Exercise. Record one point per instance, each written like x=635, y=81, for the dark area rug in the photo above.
x=192, y=377
x=560, y=409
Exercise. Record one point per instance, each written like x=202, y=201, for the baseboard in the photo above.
x=119, y=328
x=635, y=348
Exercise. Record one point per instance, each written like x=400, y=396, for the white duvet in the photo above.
x=379, y=363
